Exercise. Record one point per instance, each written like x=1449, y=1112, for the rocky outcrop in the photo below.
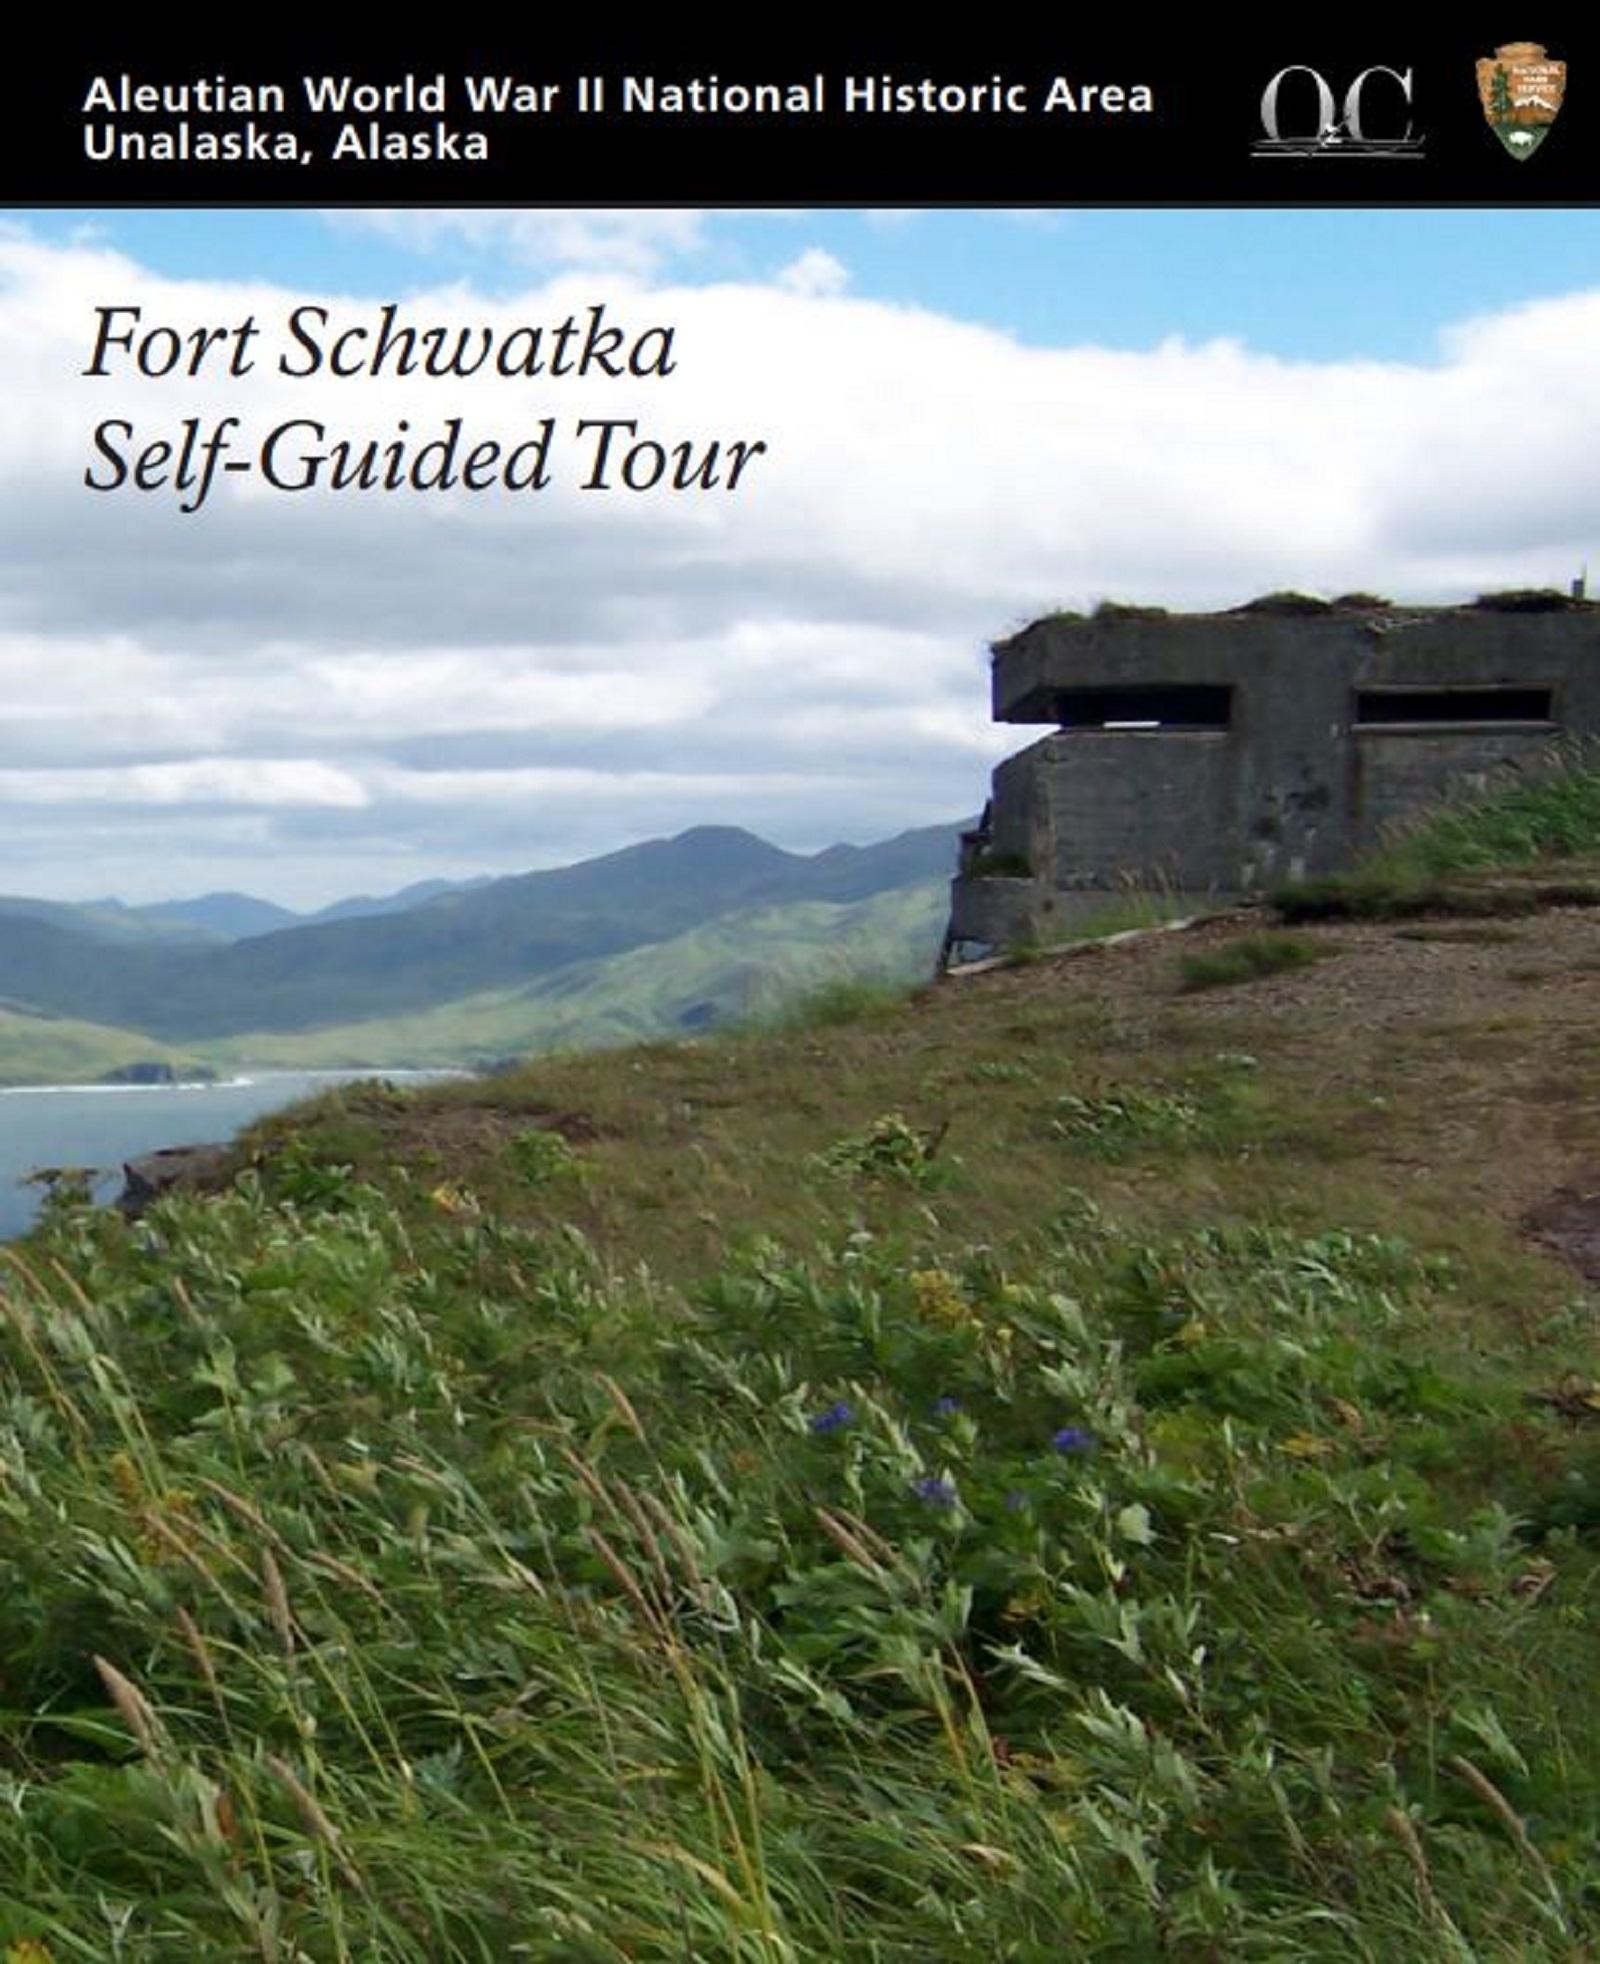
x=147, y=1071
x=191, y=1169
x=155, y=1070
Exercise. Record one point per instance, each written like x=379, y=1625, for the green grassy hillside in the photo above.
x=1068, y=1464
x=57, y=1050
x=742, y=966
x=107, y=921
x=466, y=941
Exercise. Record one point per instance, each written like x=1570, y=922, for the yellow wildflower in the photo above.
x=1306, y=1445
x=1027, y=1603
x=450, y=1198
x=936, y=1296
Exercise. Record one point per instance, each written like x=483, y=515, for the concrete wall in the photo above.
x=1392, y=776
x=1297, y=781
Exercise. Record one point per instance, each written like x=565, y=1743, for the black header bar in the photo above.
x=1298, y=115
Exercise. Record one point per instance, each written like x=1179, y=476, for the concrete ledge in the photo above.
x=1056, y=951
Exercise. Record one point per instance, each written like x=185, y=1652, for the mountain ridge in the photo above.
x=473, y=937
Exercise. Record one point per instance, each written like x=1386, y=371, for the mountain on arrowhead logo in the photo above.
x=1521, y=90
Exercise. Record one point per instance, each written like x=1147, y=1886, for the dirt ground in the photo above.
x=1447, y=1073
x=1484, y=1035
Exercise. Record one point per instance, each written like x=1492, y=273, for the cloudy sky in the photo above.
x=971, y=417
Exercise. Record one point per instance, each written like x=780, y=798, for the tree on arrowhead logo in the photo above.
x=1521, y=90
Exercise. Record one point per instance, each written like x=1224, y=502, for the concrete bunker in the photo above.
x=1198, y=758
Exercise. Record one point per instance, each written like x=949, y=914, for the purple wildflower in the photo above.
x=835, y=1416
x=1073, y=1439
x=946, y=1407
x=936, y=1492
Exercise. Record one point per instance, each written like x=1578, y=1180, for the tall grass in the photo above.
x=385, y=1581
x=1245, y=958
x=841, y=999
x=1133, y=906
x=1549, y=814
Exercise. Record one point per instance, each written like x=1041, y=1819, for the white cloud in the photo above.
x=816, y=274
x=201, y=781
x=366, y=686
x=635, y=242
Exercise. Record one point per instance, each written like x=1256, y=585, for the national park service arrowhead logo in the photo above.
x=1521, y=91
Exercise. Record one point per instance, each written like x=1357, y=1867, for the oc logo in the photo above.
x=1339, y=123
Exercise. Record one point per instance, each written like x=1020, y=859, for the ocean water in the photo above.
x=101, y=1125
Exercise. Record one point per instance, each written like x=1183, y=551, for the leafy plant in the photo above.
x=450, y=1559
x=889, y=1149
x=540, y=1154
x=1245, y=958
x=1112, y=1124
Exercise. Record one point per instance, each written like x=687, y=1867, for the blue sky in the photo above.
x=1297, y=284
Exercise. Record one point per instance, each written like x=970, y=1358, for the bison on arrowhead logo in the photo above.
x=1521, y=91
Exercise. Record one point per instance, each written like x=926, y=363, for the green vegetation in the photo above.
x=1127, y=610
x=810, y=959
x=1554, y=813
x=37, y=1049
x=1528, y=600
x=848, y=998
x=889, y=1149
x=1246, y=957
x=1285, y=601
x=1008, y=1476
x=767, y=967
x=1115, y=1125
x=987, y=864
x=1532, y=842
x=482, y=945
x=1134, y=910
x=106, y=921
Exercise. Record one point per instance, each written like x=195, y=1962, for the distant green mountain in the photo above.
x=108, y=920
x=222, y=916
x=361, y=906
x=239, y=916
x=731, y=968
x=212, y=917
x=465, y=942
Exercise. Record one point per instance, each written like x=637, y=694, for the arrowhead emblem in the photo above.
x=1521, y=90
